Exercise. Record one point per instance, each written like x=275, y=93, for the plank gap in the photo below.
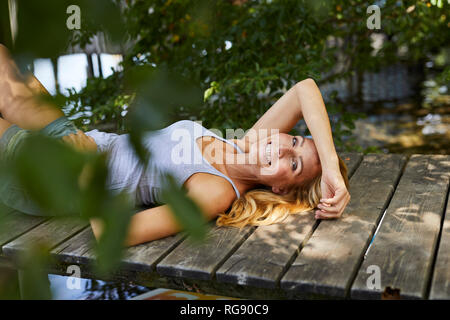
x=436, y=248
x=296, y=253
x=168, y=251
x=377, y=225
x=350, y=173
x=70, y=236
x=232, y=251
x=22, y=233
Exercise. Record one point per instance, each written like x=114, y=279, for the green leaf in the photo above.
x=185, y=210
x=208, y=93
x=159, y=93
x=43, y=31
x=49, y=170
x=33, y=274
x=116, y=216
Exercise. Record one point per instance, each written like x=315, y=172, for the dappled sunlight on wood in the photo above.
x=325, y=248
x=293, y=228
x=406, y=212
x=432, y=218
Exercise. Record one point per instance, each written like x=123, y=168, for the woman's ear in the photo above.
x=279, y=190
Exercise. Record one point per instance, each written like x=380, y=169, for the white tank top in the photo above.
x=173, y=149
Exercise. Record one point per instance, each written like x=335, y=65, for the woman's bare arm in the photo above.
x=316, y=117
x=147, y=225
x=303, y=100
x=283, y=115
x=159, y=222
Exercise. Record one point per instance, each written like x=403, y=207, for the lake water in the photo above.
x=90, y=289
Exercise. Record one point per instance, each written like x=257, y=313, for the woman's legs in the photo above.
x=21, y=112
x=18, y=104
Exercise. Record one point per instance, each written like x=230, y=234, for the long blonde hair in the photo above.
x=260, y=207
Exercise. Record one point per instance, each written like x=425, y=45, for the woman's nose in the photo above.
x=283, y=151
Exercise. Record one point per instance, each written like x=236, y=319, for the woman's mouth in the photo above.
x=269, y=153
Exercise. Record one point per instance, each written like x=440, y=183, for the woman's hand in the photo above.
x=335, y=195
x=80, y=141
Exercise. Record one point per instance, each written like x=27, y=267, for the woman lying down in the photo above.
x=257, y=180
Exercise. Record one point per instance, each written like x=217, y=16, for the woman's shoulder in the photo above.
x=211, y=187
x=183, y=124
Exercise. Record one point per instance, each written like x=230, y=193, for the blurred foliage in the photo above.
x=34, y=283
x=186, y=212
x=42, y=30
x=101, y=101
x=158, y=92
x=5, y=27
x=436, y=88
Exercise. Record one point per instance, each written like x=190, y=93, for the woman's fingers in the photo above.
x=80, y=141
x=339, y=195
x=324, y=215
x=329, y=209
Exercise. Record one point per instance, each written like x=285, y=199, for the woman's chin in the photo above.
x=267, y=170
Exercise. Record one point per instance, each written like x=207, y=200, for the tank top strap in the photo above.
x=209, y=168
x=229, y=142
x=206, y=132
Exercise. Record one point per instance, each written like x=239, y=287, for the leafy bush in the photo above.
x=245, y=54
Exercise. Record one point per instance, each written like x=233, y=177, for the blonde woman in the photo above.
x=257, y=180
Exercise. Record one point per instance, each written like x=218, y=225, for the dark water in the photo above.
x=91, y=289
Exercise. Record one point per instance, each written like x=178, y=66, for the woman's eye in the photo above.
x=294, y=141
x=294, y=165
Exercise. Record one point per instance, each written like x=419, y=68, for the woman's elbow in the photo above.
x=97, y=227
x=133, y=236
x=306, y=83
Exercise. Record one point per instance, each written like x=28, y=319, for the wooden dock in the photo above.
x=393, y=241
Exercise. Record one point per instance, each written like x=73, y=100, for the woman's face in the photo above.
x=285, y=161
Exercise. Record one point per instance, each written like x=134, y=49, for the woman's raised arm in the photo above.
x=283, y=115
x=304, y=100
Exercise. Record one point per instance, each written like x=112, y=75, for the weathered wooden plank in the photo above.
x=276, y=246
x=145, y=257
x=440, y=287
x=15, y=224
x=80, y=249
x=404, y=246
x=262, y=258
x=328, y=262
x=51, y=233
x=75, y=249
x=352, y=160
x=200, y=261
